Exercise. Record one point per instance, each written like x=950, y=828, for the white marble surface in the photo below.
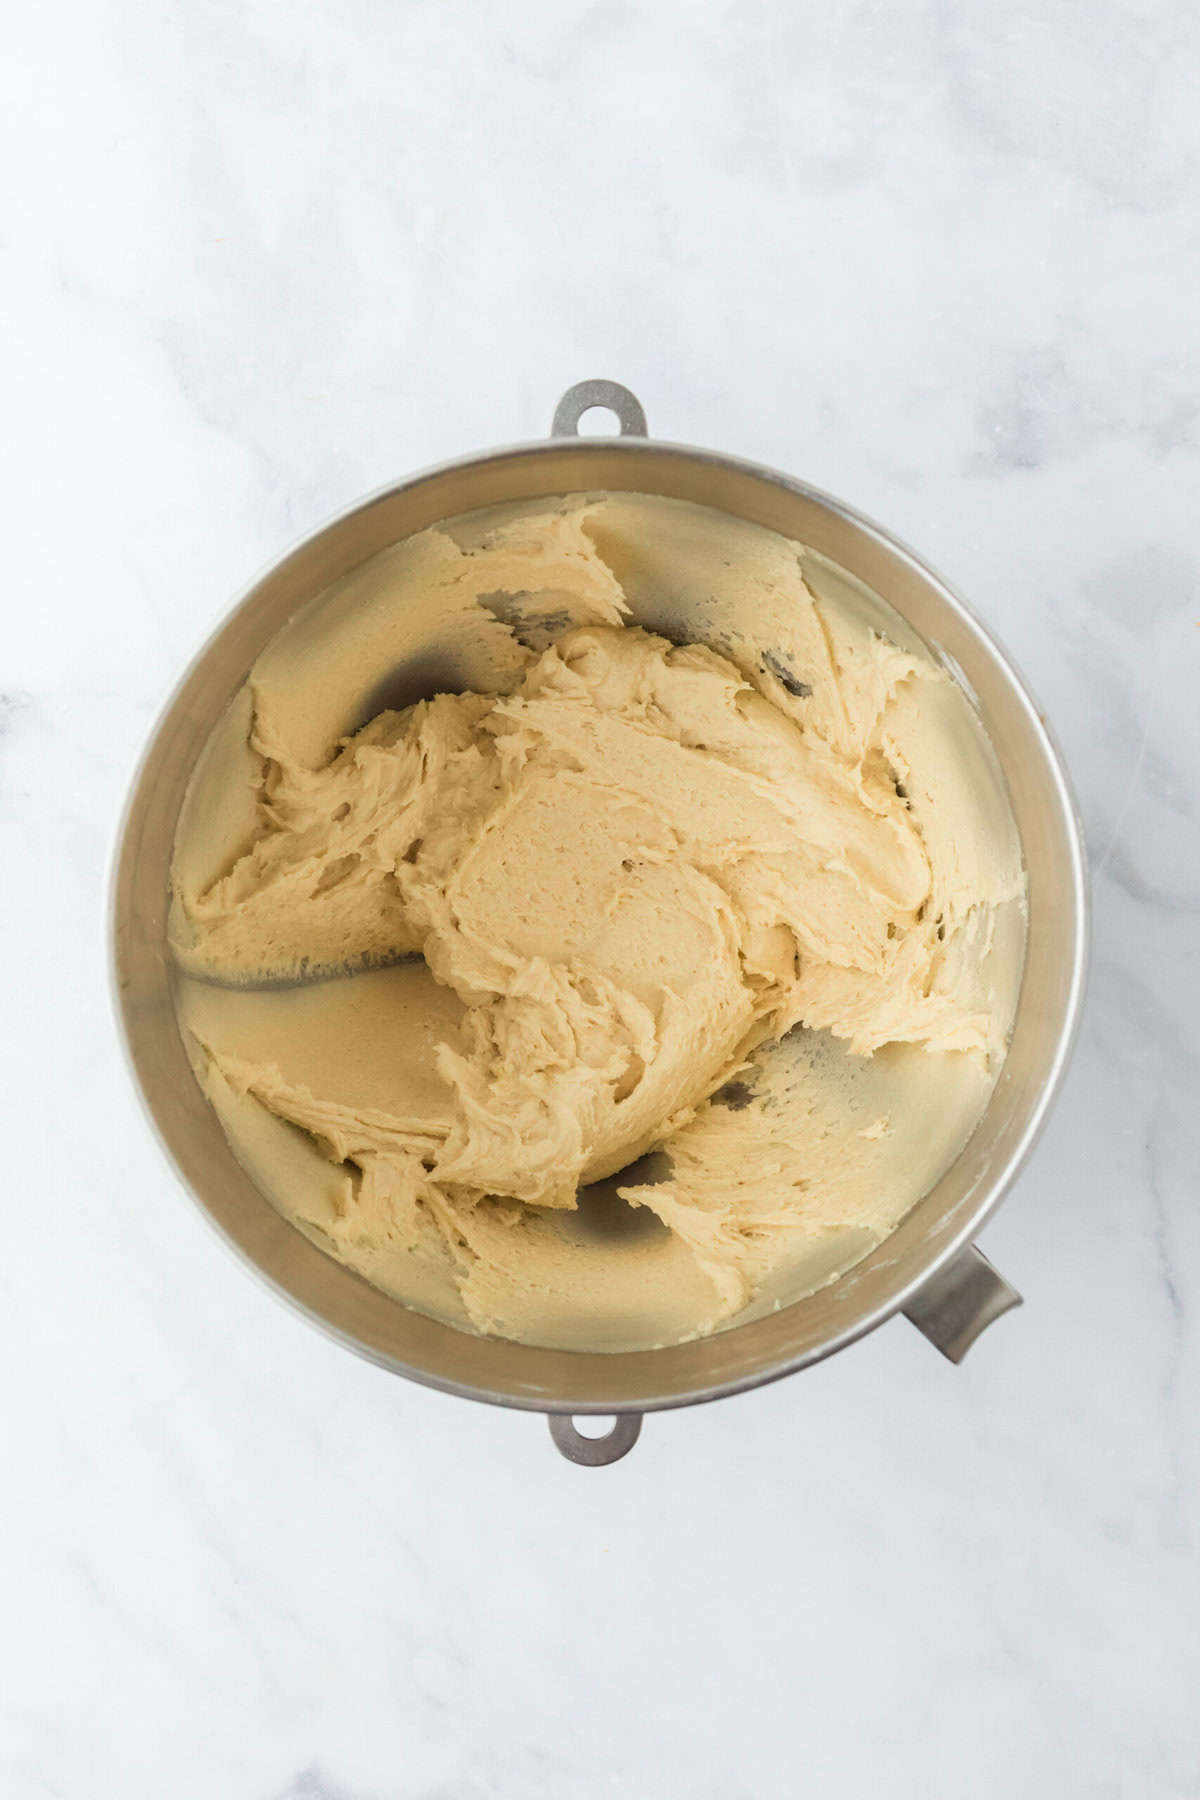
x=940, y=258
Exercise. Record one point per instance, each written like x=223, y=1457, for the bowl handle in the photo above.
x=594, y=1452
x=611, y=396
x=962, y=1300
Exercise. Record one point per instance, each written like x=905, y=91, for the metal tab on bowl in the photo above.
x=595, y=1452
x=610, y=396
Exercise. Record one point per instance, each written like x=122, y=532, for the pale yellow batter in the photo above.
x=691, y=849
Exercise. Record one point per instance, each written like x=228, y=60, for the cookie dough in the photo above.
x=751, y=904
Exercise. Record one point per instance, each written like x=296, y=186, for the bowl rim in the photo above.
x=997, y=1187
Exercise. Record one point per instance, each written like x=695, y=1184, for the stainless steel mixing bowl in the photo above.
x=928, y=1267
